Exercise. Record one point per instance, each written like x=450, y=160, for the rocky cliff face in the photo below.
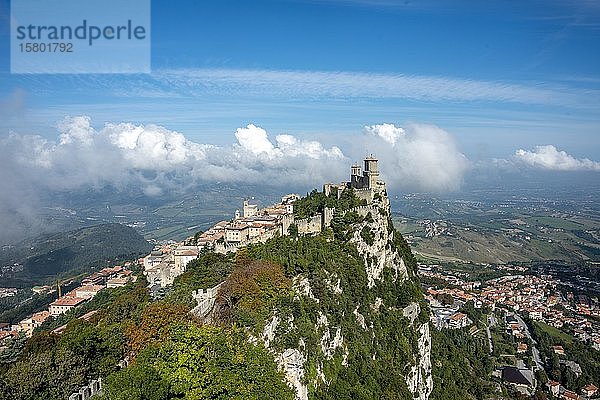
x=379, y=255
x=356, y=314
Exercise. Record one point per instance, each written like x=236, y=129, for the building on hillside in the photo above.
x=88, y=291
x=364, y=181
x=255, y=230
x=236, y=233
x=40, y=317
x=458, y=320
x=117, y=282
x=520, y=378
x=369, y=178
x=64, y=304
x=249, y=210
x=589, y=390
x=554, y=388
x=160, y=274
x=288, y=201
x=152, y=259
x=569, y=395
x=183, y=255
x=28, y=325
x=94, y=279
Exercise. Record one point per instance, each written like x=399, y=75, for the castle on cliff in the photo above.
x=258, y=225
x=365, y=183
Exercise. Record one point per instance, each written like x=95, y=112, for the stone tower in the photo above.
x=250, y=210
x=355, y=176
x=371, y=172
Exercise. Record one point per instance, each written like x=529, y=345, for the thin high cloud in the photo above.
x=550, y=158
x=309, y=86
x=342, y=84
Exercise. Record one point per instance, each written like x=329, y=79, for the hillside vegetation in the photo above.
x=319, y=302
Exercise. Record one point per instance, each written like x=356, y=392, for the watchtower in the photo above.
x=371, y=172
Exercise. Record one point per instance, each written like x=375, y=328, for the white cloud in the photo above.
x=422, y=157
x=255, y=140
x=550, y=158
x=152, y=157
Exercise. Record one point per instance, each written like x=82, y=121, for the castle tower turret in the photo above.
x=371, y=173
x=355, y=176
x=250, y=210
x=355, y=170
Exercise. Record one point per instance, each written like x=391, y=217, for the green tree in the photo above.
x=136, y=382
x=200, y=362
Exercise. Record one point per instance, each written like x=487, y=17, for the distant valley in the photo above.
x=36, y=260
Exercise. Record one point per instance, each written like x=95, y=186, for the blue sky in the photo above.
x=497, y=76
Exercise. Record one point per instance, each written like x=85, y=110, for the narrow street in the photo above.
x=536, y=354
x=489, y=335
x=491, y=321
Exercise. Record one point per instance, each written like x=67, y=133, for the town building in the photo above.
x=520, y=378
x=236, y=233
x=553, y=387
x=87, y=291
x=117, y=282
x=569, y=395
x=589, y=390
x=64, y=304
x=249, y=210
x=458, y=320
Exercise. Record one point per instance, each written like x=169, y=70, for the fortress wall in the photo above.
x=364, y=194
x=311, y=225
x=364, y=210
x=206, y=300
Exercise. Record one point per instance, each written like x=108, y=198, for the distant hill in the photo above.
x=53, y=254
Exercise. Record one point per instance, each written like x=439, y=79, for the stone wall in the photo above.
x=86, y=392
x=205, y=299
x=224, y=248
x=311, y=225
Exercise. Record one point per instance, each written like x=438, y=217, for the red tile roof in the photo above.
x=67, y=301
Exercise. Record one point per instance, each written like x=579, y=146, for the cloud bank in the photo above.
x=419, y=157
x=149, y=155
x=155, y=161
x=550, y=158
